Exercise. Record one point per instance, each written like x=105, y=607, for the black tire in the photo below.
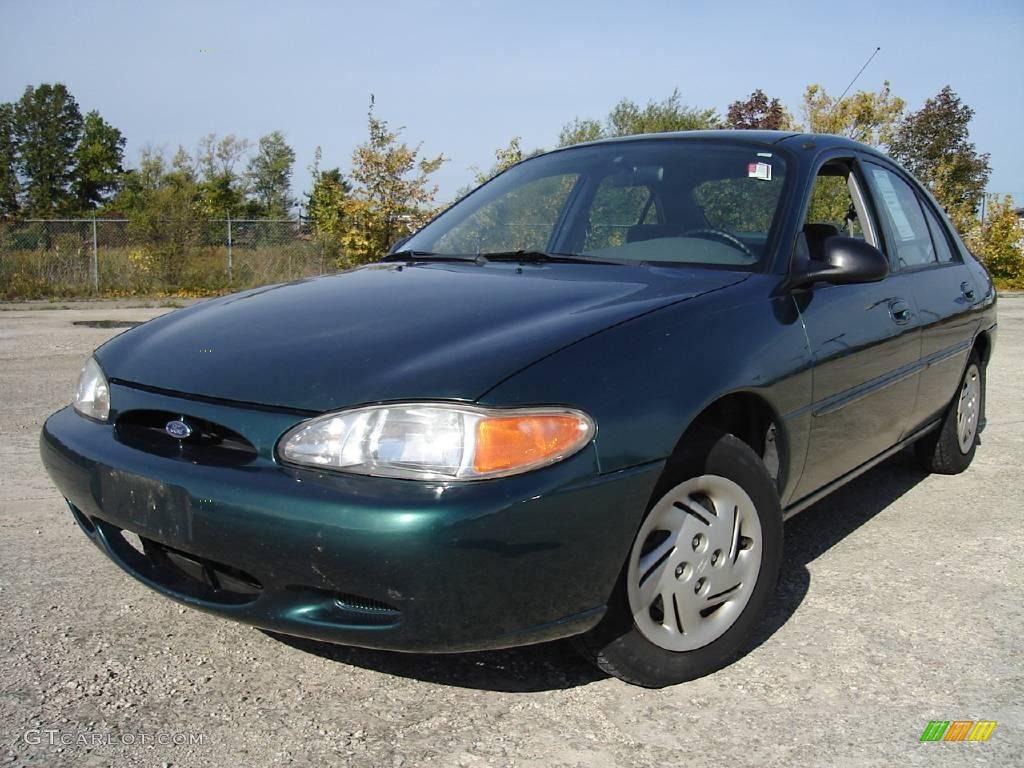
x=619, y=647
x=940, y=451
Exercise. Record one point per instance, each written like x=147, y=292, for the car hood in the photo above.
x=390, y=332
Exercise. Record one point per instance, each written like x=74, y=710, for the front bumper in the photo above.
x=372, y=562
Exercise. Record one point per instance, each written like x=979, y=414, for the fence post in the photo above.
x=231, y=266
x=94, y=266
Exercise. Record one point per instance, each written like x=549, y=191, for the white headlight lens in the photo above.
x=92, y=396
x=437, y=441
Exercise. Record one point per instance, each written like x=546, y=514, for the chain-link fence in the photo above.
x=118, y=257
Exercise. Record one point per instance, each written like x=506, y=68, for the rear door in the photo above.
x=865, y=340
x=942, y=286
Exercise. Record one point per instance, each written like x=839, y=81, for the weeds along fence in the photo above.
x=42, y=258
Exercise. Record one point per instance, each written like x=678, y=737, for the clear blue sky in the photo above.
x=465, y=77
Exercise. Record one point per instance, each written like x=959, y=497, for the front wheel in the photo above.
x=950, y=449
x=701, y=570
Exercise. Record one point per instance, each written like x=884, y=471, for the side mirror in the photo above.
x=844, y=260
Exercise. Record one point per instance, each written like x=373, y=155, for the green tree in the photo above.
x=866, y=116
x=164, y=203
x=999, y=242
x=670, y=114
x=934, y=144
x=579, y=131
x=392, y=195
x=222, y=188
x=98, y=162
x=627, y=118
x=270, y=176
x=325, y=206
x=757, y=111
x=8, y=163
x=47, y=127
x=504, y=158
x=183, y=163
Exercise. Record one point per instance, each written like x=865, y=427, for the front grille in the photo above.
x=209, y=443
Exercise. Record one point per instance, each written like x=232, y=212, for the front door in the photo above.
x=865, y=341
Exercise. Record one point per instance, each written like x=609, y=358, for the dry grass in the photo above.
x=125, y=271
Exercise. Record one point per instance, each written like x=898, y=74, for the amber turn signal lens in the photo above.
x=514, y=442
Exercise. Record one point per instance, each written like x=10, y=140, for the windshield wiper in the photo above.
x=431, y=256
x=545, y=256
x=523, y=255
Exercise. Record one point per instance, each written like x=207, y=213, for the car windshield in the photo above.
x=651, y=201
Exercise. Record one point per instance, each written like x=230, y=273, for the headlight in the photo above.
x=92, y=396
x=437, y=441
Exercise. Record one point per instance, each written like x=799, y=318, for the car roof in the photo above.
x=798, y=142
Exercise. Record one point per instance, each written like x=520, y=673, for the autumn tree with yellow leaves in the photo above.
x=870, y=117
x=392, y=195
x=999, y=242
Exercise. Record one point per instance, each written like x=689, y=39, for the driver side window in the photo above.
x=836, y=208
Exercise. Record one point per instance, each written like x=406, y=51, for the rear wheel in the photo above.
x=950, y=449
x=701, y=571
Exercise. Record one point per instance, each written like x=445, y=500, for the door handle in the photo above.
x=900, y=311
x=967, y=291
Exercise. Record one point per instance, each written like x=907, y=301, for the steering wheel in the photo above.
x=722, y=236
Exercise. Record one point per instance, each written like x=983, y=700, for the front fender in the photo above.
x=645, y=381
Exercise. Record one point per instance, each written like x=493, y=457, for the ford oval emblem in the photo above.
x=178, y=429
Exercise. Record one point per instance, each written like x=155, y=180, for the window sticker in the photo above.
x=761, y=171
x=892, y=202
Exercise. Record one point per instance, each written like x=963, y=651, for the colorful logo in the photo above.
x=958, y=730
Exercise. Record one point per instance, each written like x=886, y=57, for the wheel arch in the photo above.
x=746, y=415
x=983, y=346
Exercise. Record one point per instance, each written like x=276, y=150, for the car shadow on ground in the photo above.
x=821, y=526
x=554, y=666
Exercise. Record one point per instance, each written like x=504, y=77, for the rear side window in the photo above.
x=910, y=241
x=943, y=253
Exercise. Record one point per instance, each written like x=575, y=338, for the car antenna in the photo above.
x=859, y=72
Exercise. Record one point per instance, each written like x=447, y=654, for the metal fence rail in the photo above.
x=120, y=257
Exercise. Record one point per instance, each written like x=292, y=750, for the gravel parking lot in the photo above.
x=900, y=603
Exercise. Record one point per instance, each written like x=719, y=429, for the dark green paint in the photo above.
x=643, y=350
